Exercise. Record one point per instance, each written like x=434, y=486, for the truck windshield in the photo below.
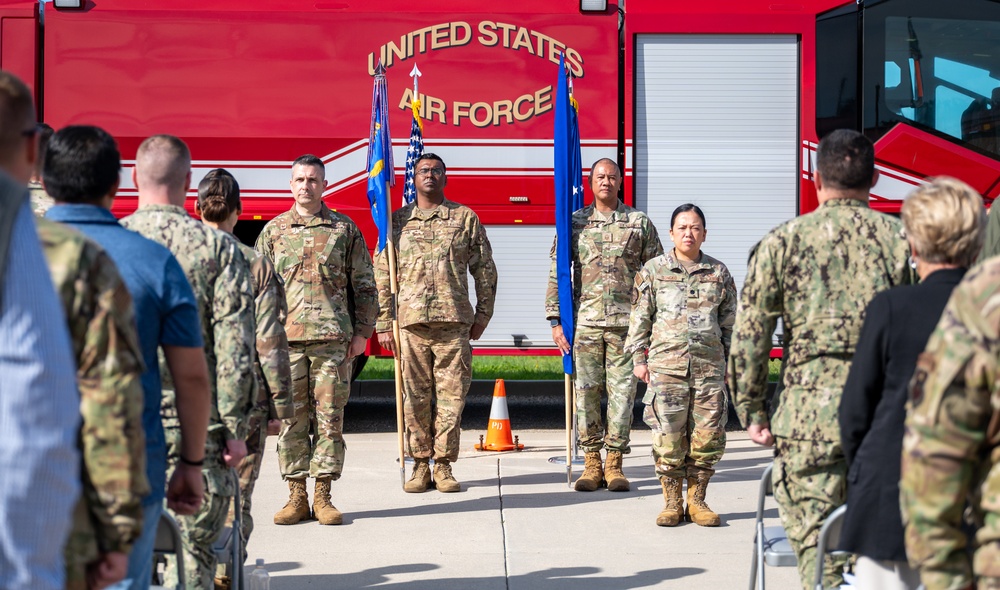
x=934, y=65
x=926, y=63
x=942, y=74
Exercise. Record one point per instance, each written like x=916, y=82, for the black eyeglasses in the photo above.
x=32, y=132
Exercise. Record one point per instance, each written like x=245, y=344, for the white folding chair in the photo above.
x=829, y=538
x=229, y=546
x=770, y=543
x=168, y=542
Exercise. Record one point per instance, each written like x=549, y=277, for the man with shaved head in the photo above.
x=220, y=277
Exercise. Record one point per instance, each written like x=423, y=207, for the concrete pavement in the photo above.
x=514, y=526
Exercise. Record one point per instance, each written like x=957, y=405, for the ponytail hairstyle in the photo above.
x=218, y=196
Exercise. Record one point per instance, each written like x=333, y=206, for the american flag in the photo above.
x=412, y=153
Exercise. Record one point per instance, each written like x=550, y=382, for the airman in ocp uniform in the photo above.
x=683, y=311
x=440, y=243
x=108, y=517
x=951, y=449
x=323, y=259
x=611, y=241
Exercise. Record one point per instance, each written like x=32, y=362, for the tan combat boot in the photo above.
x=420, y=479
x=674, y=508
x=593, y=473
x=297, y=508
x=617, y=482
x=325, y=512
x=697, y=511
x=443, y=478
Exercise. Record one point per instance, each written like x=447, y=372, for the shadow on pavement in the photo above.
x=512, y=497
x=567, y=578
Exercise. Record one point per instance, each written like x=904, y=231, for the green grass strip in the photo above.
x=515, y=368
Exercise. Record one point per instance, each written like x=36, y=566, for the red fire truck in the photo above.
x=719, y=102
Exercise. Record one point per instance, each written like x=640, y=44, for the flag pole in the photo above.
x=570, y=393
x=381, y=170
x=397, y=352
x=569, y=429
x=396, y=336
x=568, y=175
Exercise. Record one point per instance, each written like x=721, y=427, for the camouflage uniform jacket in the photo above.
x=817, y=272
x=274, y=373
x=220, y=278
x=684, y=318
x=606, y=255
x=436, y=251
x=951, y=449
x=329, y=281
x=40, y=200
x=109, y=366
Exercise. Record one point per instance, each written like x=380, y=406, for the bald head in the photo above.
x=17, y=128
x=163, y=169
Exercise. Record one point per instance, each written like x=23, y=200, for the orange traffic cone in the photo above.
x=498, y=437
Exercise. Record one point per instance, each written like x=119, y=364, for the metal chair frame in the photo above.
x=771, y=546
x=168, y=540
x=829, y=537
x=228, y=547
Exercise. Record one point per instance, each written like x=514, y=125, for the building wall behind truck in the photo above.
x=716, y=126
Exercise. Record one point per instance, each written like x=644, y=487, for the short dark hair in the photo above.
x=431, y=156
x=82, y=164
x=590, y=175
x=684, y=209
x=218, y=195
x=846, y=160
x=310, y=160
x=44, y=135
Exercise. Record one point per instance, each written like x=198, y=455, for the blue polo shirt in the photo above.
x=165, y=310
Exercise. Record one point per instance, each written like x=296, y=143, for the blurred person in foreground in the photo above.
x=82, y=174
x=220, y=278
x=944, y=227
x=683, y=311
x=219, y=206
x=816, y=273
x=39, y=403
x=102, y=327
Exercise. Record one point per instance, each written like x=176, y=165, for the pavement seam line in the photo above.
x=503, y=529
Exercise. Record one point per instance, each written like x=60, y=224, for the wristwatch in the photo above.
x=554, y=322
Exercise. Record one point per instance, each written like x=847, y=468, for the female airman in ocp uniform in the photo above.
x=683, y=311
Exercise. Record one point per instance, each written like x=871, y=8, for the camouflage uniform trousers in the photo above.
x=436, y=363
x=321, y=384
x=688, y=418
x=810, y=482
x=202, y=529
x=601, y=366
x=249, y=470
